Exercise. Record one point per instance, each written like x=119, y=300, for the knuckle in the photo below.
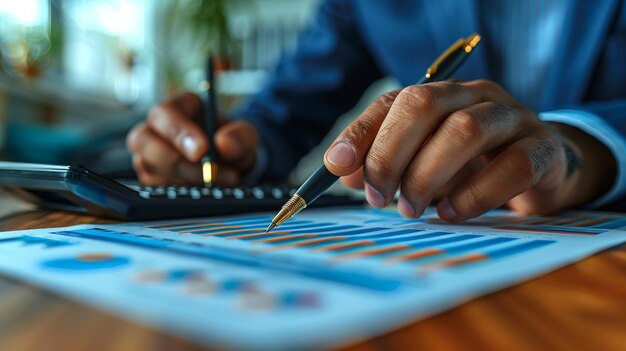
x=465, y=126
x=487, y=84
x=542, y=155
x=387, y=99
x=421, y=96
x=360, y=128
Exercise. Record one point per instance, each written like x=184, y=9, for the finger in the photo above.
x=416, y=112
x=236, y=143
x=178, y=129
x=161, y=158
x=354, y=180
x=462, y=136
x=347, y=153
x=517, y=169
x=160, y=161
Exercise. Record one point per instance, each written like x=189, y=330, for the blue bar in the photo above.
x=209, y=221
x=35, y=240
x=386, y=235
x=614, y=224
x=363, y=279
x=244, y=221
x=282, y=227
x=558, y=230
x=313, y=231
x=207, y=227
x=360, y=231
x=477, y=245
x=363, y=230
x=453, y=239
x=512, y=250
x=405, y=239
x=324, y=230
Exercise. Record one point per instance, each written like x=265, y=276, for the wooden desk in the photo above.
x=579, y=307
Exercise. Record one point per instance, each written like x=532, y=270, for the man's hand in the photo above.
x=472, y=147
x=167, y=148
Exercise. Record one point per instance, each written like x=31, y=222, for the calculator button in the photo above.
x=277, y=193
x=258, y=193
x=217, y=193
x=171, y=194
x=238, y=193
x=183, y=191
x=144, y=194
x=195, y=193
x=158, y=191
x=205, y=191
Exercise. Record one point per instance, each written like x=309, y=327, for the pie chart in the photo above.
x=87, y=262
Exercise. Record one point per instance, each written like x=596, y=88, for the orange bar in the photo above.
x=215, y=229
x=345, y=246
x=593, y=221
x=539, y=230
x=170, y=225
x=370, y=252
x=415, y=255
x=457, y=261
x=256, y=235
x=542, y=221
x=568, y=220
x=283, y=238
x=298, y=244
x=197, y=226
x=315, y=241
x=241, y=231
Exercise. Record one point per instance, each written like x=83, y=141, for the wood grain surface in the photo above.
x=579, y=307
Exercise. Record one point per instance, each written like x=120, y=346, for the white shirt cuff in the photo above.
x=601, y=130
x=252, y=178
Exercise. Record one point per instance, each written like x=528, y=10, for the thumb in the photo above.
x=347, y=153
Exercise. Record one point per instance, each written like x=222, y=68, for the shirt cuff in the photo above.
x=260, y=166
x=601, y=130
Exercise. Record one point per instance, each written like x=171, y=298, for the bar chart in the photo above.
x=321, y=276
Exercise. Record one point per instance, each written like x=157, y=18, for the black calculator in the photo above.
x=78, y=189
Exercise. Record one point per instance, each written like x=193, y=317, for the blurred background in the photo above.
x=76, y=75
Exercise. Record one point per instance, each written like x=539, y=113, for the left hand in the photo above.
x=470, y=145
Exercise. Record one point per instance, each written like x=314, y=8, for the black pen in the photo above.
x=322, y=179
x=209, y=161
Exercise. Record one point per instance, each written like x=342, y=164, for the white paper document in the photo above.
x=322, y=279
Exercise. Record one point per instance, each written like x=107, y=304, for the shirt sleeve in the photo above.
x=605, y=133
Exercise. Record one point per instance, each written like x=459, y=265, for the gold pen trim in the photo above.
x=289, y=209
x=209, y=172
x=468, y=45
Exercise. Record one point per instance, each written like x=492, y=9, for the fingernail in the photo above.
x=446, y=211
x=341, y=155
x=374, y=197
x=190, y=145
x=405, y=207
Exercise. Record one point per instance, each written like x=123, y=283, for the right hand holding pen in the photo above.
x=168, y=146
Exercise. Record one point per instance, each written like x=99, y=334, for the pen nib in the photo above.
x=270, y=227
